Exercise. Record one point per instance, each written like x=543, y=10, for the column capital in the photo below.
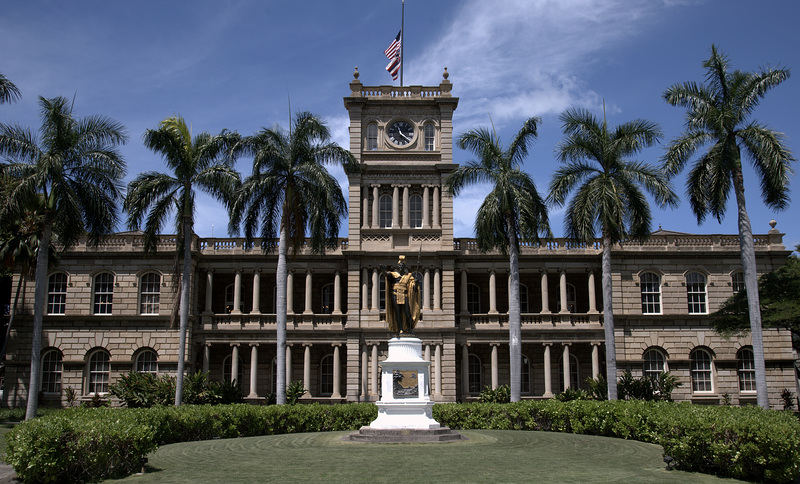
x=254, y=345
x=336, y=344
x=207, y=344
x=374, y=185
x=566, y=343
x=547, y=344
x=234, y=344
x=307, y=345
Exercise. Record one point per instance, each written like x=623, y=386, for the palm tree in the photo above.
x=717, y=115
x=608, y=195
x=512, y=212
x=288, y=193
x=73, y=165
x=200, y=162
x=8, y=91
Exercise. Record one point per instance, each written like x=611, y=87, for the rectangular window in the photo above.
x=737, y=281
x=150, y=294
x=103, y=293
x=57, y=294
x=372, y=137
x=651, y=293
x=430, y=133
x=701, y=372
x=415, y=211
x=51, y=372
x=385, y=211
x=696, y=293
x=747, y=371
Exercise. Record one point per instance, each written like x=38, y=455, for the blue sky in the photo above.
x=238, y=64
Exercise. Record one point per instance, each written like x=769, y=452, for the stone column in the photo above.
x=375, y=206
x=374, y=371
x=256, y=293
x=206, y=357
x=437, y=208
x=437, y=289
x=437, y=361
x=426, y=289
x=562, y=287
x=565, y=365
x=364, y=372
x=494, y=367
x=209, y=291
x=464, y=292
x=592, y=295
x=492, y=292
x=289, y=292
x=595, y=359
x=309, y=286
x=364, y=290
x=337, y=293
x=426, y=207
x=406, y=207
x=427, y=358
x=337, y=372
x=253, y=370
x=548, y=373
x=465, y=370
x=545, y=295
x=395, y=206
x=237, y=293
x=376, y=304
x=235, y=362
x=365, y=208
x=307, y=369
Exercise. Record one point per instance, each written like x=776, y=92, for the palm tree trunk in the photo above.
x=11, y=316
x=280, y=320
x=748, y=255
x=608, y=321
x=514, y=318
x=184, y=308
x=39, y=300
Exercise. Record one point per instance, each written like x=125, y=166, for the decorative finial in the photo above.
x=445, y=74
x=356, y=74
x=773, y=223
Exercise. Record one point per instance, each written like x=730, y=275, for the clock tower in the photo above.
x=403, y=136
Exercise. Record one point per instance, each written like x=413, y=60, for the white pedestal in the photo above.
x=405, y=388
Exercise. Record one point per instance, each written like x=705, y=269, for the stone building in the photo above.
x=110, y=308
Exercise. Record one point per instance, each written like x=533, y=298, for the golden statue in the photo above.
x=403, y=299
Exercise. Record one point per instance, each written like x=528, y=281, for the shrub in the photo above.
x=573, y=394
x=144, y=389
x=294, y=391
x=501, y=394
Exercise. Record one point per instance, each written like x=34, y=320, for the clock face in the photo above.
x=401, y=133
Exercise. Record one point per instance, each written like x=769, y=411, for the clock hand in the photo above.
x=403, y=135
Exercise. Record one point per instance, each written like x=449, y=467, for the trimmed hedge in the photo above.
x=89, y=444
x=741, y=442
x=85, y=444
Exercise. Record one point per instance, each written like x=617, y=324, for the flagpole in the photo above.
x=402, y=39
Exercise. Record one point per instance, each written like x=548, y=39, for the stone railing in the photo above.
x=532, y=320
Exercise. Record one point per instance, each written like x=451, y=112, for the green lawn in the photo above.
x=488, y=456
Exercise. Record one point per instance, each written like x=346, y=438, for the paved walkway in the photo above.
x=7, y=474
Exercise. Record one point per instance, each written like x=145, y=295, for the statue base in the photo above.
x=405, y=408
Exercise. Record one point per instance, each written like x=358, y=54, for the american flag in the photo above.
x=393, y=54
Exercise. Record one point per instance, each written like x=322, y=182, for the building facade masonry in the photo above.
x=110, y=308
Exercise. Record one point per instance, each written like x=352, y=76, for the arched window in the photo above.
x=98, y=370
x=650, y=286
x=430, y=136
x=747, y=370
x=654, y=362
x=147, y=362
x=326, y=376
x=737, y=281
x=523, y=298
x=149, y=293
x=696, y=292
x=372, y=137
x=702, y=371
x=385, y=211
x=475, y=374
x=473, y=298
x=327, y=299
x=103, y=292
x=525, y=375
x=226, y=370
x=571, y=299
x=57, y=293
x=51, y=371
x=574, y=373
x=415, y=211
x=230, y=296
